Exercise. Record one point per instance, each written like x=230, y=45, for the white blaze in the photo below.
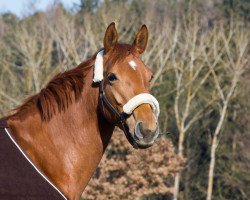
x=132, y=64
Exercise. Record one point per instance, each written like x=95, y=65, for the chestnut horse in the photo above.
x=65, y=128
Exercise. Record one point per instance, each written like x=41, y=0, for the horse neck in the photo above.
x=69, y=147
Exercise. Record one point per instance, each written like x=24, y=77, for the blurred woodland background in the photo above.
x=199, y=52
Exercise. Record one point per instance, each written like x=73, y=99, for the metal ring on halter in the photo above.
x=122, y=116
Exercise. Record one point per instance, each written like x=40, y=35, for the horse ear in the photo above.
x=110, y=38
x=141, y=39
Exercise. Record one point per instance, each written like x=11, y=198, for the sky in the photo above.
x=21, y=8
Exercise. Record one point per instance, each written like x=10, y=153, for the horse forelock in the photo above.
x=120, y=52
x=60, y=92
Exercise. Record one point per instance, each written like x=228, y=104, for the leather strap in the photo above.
x=121, y=116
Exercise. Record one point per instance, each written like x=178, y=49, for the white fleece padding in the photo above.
x=98, y=67
x=141, y=99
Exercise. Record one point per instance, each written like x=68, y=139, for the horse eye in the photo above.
x=112, y=77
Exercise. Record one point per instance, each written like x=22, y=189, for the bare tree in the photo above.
x=191, y=74
x=197, y=54
x=237, y=61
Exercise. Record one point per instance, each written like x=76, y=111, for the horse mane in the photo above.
x=60, y=92
x=64, y=88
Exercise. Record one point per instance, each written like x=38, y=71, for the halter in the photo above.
x=121, y=116
x=128, y=107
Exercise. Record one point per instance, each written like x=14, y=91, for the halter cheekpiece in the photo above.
x=121, y=116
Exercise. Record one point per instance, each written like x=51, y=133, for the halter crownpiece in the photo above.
x=98, y=67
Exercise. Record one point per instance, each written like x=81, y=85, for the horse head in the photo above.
x=125, y=97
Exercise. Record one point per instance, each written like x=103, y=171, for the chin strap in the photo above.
x=121, y=116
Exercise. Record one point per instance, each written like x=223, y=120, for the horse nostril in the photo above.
x=145, y=134
x=138, y=130
x=148, y=131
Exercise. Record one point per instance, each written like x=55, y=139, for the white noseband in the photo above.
x=141, y=99
x=136, y=100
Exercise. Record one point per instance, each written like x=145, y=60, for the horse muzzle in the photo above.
x=145, y=137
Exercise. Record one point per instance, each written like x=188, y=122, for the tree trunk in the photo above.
x=177, y=176
x=176, y=185
x=215, y=137
x=211, y=168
